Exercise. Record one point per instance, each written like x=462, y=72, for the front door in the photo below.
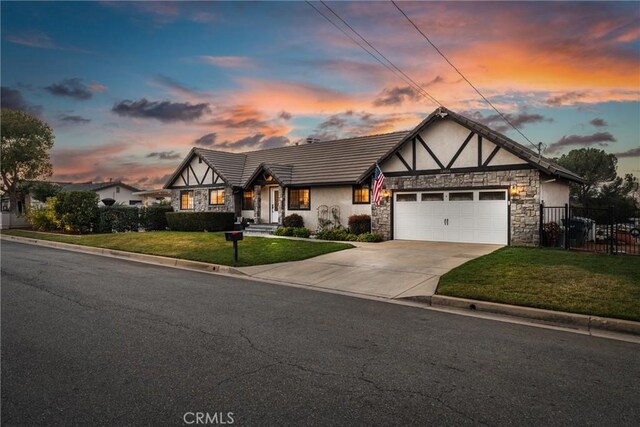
x=274, y=198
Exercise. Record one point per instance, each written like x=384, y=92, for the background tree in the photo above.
x=595, y=166
x=24, y=151
x=43, y=190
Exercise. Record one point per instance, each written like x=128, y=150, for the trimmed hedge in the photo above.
x=200, y=221
x=117, y=219
x=359, y=224
x=293, y=221
x=341, y=234
x=153, y=217
x=292, y=232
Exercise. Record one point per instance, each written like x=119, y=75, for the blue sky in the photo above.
x=130, y=87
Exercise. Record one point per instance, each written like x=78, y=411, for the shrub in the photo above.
x=293, y=220
x=359, y=224
x=154, y=218
x=301, y=232
x=343, y=235
x=117, y=219
x=283, y=231
x=44, y=218
x=77, y=210
x=370, y=237
x=200, y=221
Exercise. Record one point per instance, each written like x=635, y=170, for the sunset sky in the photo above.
x=130, y=87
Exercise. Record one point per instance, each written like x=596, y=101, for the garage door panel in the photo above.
x=482, y=219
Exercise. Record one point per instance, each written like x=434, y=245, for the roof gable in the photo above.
x=468, y=145
x=199, y=169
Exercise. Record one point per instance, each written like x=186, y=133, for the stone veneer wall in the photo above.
x=201, y=200
x=525, y=211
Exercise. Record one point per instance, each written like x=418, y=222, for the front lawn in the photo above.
x=197, y=246
x=586, y=283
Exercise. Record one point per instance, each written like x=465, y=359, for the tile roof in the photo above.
x=326, y=162
x=348, y=160
x=94, y=186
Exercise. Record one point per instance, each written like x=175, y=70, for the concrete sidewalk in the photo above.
x=392, y=269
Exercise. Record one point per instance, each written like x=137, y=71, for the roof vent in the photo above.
x=311, y=140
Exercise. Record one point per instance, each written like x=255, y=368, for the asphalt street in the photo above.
x=89, y=340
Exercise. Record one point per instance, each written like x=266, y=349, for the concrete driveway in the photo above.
x=392, y=269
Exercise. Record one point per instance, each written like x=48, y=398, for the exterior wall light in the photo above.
x=514, y=190
x=386, y=193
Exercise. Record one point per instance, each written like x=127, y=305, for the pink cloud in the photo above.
x=228, y=61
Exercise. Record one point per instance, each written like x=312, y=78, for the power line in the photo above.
x=462, y=75
x=421, y=91
x=417, y=85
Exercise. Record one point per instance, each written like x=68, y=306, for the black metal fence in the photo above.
x=590, y=229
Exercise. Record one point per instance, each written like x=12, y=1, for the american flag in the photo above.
x=378, y=181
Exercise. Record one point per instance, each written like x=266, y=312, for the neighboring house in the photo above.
x=153, y=197
x=116, y=190
x=449, y=179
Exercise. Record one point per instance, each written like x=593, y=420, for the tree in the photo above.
x=595, y=166
x=26, y=141
x=43, y=190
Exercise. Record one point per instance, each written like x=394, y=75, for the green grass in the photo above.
x=197, y=246
x=586, y=283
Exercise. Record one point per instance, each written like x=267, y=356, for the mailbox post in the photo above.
x=234, y=236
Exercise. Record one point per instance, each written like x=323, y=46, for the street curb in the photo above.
x=561, y=318
x=149, y=259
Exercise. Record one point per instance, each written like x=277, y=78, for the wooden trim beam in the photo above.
x=462, y=147
x=431, y=153
x=491, y=156
x=404, y=162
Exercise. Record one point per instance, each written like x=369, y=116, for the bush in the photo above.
x=117, y=219
x=359, y=224
x=283, y=231
x=293, y=220
x=77, y=210
x=341, y=234
x=154, y=218
x=200, y=221
x=44, y=219
x=301, y=232
x=370, y=237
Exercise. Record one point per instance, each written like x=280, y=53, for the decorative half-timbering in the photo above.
x=448, y=146
x=195, y=172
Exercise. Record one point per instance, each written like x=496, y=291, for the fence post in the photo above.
x=612, y=235
x=567, y=225
x=541, y=228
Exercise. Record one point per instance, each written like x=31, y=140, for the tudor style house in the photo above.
x=449, y=179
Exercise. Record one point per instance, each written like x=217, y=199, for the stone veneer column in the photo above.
x=257, y=199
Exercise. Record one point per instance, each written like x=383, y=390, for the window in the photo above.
x=186, y=200
x=412, y=197
x=216, y=197
x=299, y=199
x=135, y=202
x=361, y=195
x=492, y=195
x=247, y=201
x=460, y=197
x=117, y=189
x=432, y=197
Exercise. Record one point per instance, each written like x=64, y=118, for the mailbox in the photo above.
x=233, y=236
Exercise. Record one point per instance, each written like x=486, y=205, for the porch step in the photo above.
x=260, y=228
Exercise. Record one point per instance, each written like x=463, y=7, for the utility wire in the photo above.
x=421, y=91
x=417, y=85
x=462, y=75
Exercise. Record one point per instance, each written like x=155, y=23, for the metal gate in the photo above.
x=590, y=229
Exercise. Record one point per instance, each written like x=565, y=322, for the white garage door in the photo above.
x=478, y=216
